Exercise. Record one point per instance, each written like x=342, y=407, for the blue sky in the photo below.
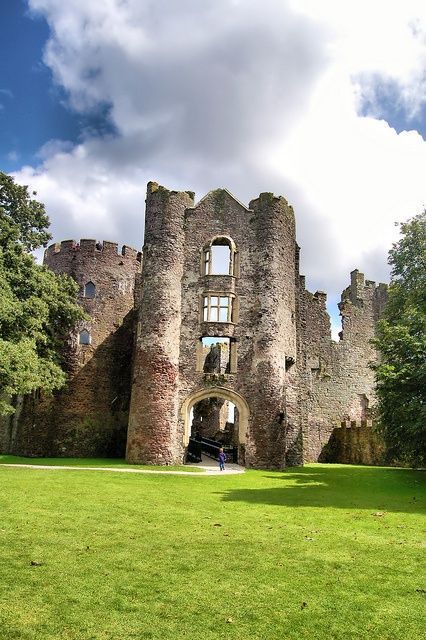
x=34, y=108
x=322, y=103
x=387, y=105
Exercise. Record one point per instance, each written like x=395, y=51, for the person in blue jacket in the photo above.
x=222, y=460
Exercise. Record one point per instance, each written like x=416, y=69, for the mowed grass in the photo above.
x=115, y=463
x=321, y=552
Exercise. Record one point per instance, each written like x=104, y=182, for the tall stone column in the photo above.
x=273, y=395
x=152, y=433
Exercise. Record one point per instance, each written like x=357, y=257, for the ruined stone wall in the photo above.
x=210, y=416
x=292, y=385
x=337, y=383
x=355, y=442
x=215, y=358
x=216, y=215
x=273, y=384
x=89, y=416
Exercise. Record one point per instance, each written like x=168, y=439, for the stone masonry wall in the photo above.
x=291, y=384
x=337, y=382
x=218, y=214
x=355, y=442
x=273, y=392
x=262, y=329
x=89, y=416
x=263, y=324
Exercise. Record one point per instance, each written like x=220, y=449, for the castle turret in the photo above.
x=106, y=277
x=274, y=430
x=152, y=433
x=89, y=416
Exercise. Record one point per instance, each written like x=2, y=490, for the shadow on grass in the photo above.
x=340, y=487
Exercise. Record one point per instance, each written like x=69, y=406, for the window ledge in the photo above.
x=218, y=329
x=218, y=275
x=217, y=378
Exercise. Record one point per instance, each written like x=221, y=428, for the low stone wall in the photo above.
x=355, y=443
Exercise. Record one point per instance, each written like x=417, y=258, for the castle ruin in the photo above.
x=212, y=315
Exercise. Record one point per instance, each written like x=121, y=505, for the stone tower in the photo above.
x=153, y=434
x=186, y=299
x=89, y=416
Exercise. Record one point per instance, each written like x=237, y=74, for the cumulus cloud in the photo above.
x=377, y=43
x=252, y=96
x=206, y=79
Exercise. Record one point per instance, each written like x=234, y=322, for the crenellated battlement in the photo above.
x=321, y=298
x=355, y=424
x=361, y=290
x=269, y=209
x=90, y=247
x=107, y=267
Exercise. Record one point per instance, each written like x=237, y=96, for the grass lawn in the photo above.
x=117, y=463
x=330, y=552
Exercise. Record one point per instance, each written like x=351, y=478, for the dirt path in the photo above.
x=210, y=468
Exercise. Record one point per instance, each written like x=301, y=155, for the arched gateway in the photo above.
x=217, y=392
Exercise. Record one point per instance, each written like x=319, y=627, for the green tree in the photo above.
x=401, y=340
x=37, y=307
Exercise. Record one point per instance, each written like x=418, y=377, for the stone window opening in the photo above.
x=89, y=290
x=84, y=337
x=219, y=257
x=206, y=269
x=217, y=308
x=217, y=355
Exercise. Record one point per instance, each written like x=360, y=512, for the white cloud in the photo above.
x=378, y=42
x=252, y=96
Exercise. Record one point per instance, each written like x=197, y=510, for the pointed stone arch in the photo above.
x=210, y=262
x=217, y=392
x=89, y=290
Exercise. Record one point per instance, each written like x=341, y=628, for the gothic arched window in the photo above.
x=89, y=290
x=219, y=257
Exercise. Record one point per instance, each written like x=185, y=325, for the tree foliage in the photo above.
x=37, y=307
x=401, y=340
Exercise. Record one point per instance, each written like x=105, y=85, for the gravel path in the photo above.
x=210, y=468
